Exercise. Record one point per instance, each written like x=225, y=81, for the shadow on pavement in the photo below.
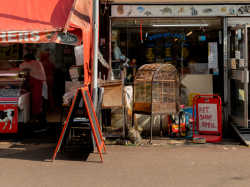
x=37, y=144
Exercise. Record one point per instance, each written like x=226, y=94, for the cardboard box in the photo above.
x=112, y=96
x=197, y=84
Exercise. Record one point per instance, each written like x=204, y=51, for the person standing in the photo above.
x=37, y=83
x=49, y=69
x=117, y=54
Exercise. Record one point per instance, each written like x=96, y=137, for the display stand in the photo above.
x=90, y=114
x=208, y=118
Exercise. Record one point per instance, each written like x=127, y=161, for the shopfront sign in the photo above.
x=167, y=35
x=38, y=37
x=179, y=10
x=208, y=117
x=8, y=115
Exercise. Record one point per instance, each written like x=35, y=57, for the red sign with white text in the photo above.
x=208, y=114
x=208, y=117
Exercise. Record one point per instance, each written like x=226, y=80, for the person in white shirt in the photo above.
x=37, y=82
x=117, y=52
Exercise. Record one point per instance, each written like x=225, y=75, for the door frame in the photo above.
x=227, y=69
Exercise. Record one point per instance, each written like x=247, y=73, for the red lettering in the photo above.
x=208, y=125
x=19, y=36
x=12, y=37
x=3, y=36
x=205, y=116
x=26, y=36
x=203, y=109
x=35, y=36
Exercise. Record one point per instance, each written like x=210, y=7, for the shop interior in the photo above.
x=238, y=54
x=181, y=42
x=193, y=46
x=63, y=75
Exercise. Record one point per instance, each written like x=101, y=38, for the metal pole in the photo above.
x=95, y=45
x=227, y=109
x=110, y=49
x=246, y=76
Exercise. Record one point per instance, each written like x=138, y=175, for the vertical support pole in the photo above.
x=182, y=46
x=123, y=101
x=151, y=128
x=246, y=76
x=95, y=58
x=110, y=49
x=225, y=68
x=123, y=76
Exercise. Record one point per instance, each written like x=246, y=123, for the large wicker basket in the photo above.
x=156, y=89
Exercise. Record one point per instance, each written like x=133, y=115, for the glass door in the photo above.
x=239, y=76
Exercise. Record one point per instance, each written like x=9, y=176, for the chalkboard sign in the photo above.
x=91, y=115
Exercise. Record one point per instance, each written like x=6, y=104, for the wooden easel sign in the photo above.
x=95, y=126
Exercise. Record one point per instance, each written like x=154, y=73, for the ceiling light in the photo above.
x=181, y=25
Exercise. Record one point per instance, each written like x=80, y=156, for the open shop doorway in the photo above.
x=193, y=46
x=63, y=75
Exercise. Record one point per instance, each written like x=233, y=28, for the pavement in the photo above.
x=27, y=163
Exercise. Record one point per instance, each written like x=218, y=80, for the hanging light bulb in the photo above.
x=189, y=33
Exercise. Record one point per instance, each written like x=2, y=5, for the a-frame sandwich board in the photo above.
x=95, y=126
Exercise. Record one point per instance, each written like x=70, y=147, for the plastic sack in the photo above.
x=79, y=55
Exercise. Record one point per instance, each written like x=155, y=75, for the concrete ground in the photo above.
x=165, y=163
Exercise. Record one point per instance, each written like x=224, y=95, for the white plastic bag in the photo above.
x=79, y=55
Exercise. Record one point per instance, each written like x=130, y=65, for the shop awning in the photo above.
x=36, y=21
x=29, y=15
x=46, y=21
